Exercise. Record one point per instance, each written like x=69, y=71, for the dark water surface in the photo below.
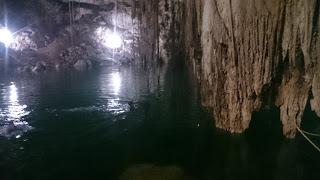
x=115, y=124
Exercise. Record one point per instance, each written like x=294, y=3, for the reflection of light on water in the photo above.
x=13, y=93
x=13, y=114
x=115, y=82
x=116, y=107
x=15, y=110
x=111, y=89
x=114, y=104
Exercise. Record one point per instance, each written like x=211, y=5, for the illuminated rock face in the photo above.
x=254, y=53
x=58, y=29
x=245, y=54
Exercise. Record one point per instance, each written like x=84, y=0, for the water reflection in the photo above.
x=12, y=123
x=79, y=117
x=15, y=110
x=115, y=82
x=118, y=90
x=13, y=93
x=110, y=89
x=115, y=106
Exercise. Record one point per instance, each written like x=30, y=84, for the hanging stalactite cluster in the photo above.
x=254, y=54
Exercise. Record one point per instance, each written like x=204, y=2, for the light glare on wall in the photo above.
x=5, y=36
x=112, y=40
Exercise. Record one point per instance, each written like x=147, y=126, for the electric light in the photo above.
x=112, y=40
x=5, y=36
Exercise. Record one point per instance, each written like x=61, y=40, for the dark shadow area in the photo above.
x=116, y=123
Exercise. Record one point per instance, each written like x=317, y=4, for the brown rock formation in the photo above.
x=254, y=52
x=245, y=54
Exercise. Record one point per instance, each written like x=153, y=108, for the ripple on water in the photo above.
x=114, y=107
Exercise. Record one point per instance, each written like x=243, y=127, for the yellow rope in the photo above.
x=309, y=140
x=311, y=134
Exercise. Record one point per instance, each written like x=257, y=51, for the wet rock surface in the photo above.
x=61, y=33
x=253, y=54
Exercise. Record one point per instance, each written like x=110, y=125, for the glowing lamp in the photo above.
x=112, y=40
x=5, y=36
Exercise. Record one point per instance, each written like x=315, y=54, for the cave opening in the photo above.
x=159, y=89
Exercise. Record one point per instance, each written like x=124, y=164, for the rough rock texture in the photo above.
x=54, y=31
x=69, y=34
x=245, y=54
x=254, y=53
x=170, y=14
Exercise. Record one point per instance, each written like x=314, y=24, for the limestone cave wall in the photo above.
x=58, y=34
x=245, y=54
x=249, y=54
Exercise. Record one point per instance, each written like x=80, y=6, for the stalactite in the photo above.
x=275, y=51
